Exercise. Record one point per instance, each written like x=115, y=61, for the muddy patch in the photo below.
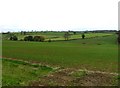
x=58, y=78
x=95, y=79
x=71, y=77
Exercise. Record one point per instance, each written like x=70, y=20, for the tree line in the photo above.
x=40, y=38
x=29, y=38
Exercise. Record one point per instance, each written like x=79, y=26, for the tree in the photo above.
x=66, y=35
x=74, y=32
x=21, y=32
x=49, y=40
x=14, y=38
x=36, y=38
x=39, y=38
x=24, y=32
x=11, y=38
x=83, y=36
x=28, y=38
x=42, y=38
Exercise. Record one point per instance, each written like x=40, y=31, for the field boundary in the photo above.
x=60, y=69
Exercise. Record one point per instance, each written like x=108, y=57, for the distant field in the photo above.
x=57, y=35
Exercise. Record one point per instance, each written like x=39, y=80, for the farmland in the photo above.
x=97, y=52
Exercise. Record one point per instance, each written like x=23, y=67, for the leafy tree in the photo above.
x=28, y=38
x=14, y=38
x=49, y=40
x=36, y=38
x=39, y=38
x=74, y=32
x=11, y=38
x=42, y=38
x=24, y=32
x=83, y=36
x=66, y=35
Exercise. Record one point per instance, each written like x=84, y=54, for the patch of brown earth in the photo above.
x=64, y=78
x=58, y=78
x=95, y=79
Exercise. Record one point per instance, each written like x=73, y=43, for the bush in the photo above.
x=28, y=38
x=42, y=38
x=83, y=36
x=49, y=40
x=66, y=35
x=14, y=38
x=36, y=38
x=21, y=40
x=39, y=38
x=11, y=38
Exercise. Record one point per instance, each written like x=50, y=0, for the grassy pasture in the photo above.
x=99, y=54
x=19, y=73
x=95, y=54
x=57, y=35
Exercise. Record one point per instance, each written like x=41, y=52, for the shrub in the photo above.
x=83, y=36
x=14, y=38
x=66, y=35
x=11, y=38
x=42, y=38
x=28, y=38
x=39, y=38
x=36, y=38
x=49, y=40
x=21, y=40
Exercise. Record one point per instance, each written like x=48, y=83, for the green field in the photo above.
x=97, y=54
x=57, y=35
x=21, y=73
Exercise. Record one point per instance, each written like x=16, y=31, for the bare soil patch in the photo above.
x=95, y=79
x=64, y=78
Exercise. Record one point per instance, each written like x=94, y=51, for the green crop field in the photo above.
x=98, y=52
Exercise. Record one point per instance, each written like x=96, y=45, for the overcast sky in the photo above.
x=17, y=15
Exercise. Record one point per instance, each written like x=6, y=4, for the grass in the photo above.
x=79, y=74
x=20, y=74
x=94, y=54
x=57, y=35
x=99, y=53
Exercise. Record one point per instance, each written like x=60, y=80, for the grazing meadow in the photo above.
x=97, y=52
